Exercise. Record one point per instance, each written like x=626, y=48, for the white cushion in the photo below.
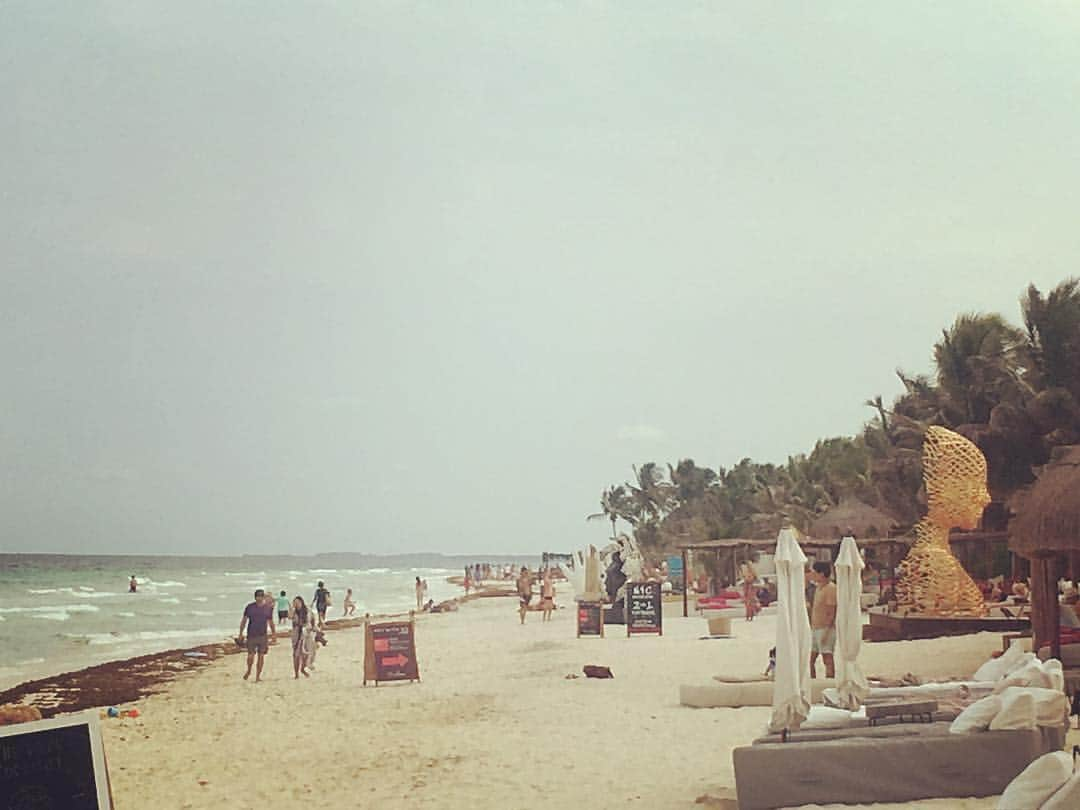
x=977, y=716
x=828, y=717
x=1051, y=706
x=1031, y=674
x=999, y=667
x=1068, y=797
x=1055, y=672
x=1037, y=782
x=1017, y=711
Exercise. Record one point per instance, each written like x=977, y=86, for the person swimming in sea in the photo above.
x=133, y=586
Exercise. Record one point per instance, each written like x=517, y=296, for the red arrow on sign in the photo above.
x=396, y=661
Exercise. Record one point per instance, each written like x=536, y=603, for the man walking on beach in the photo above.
x=321, y=600
x=259, y=618
x=524, y=590
x=823, y=619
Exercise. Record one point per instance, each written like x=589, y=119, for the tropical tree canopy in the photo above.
x=1014, y=391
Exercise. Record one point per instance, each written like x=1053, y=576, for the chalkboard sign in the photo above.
x=390, y=652
x=590, y=619
x=645, y=608
x=54, y=763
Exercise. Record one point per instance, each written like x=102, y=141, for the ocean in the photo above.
x=60, y=613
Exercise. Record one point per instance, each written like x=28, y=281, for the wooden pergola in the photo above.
x=749, y=545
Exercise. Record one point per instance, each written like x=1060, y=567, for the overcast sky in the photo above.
x=298, y=277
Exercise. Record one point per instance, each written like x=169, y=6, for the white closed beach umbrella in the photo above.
x=791, y=688
x=851, y=683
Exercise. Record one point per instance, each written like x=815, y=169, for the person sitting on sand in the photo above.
x=350, y=604
x=258, y=620
x=547, y=595
x=301, y=618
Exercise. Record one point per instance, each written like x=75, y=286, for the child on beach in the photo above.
x=282, y=608
x=547, y=596
x=310, y=643
x=350, y=605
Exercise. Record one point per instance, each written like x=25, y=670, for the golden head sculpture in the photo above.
x=932, y=581
x=954, y=471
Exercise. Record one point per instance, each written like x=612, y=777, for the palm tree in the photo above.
x=615, y=504
x=691, y=481
x=977, y=363
x=651, y=494
x=1052, y=324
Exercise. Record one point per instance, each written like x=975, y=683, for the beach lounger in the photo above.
x=900, y=762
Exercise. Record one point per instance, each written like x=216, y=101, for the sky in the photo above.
x=283, y=277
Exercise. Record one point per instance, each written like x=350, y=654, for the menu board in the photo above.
x=644, y=609
x=54, y=763
x=390, y=652
x=590, y=619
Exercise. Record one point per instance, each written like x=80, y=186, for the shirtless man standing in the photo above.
x=524, y=590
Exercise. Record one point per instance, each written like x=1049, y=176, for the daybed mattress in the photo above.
x=894, y=763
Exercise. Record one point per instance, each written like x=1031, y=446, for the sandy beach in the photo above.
x=495, y=722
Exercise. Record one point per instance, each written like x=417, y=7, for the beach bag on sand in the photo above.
x=593, y=671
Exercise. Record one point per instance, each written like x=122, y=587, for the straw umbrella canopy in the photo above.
x=1047, y=524
x=852, y=516
x=851, y=683
x=791, y=687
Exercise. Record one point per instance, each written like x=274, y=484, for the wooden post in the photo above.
x=685, y=580
x=1044, y=603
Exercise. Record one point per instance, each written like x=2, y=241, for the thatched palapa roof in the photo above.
x=1048, y=513
x=852, y=515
